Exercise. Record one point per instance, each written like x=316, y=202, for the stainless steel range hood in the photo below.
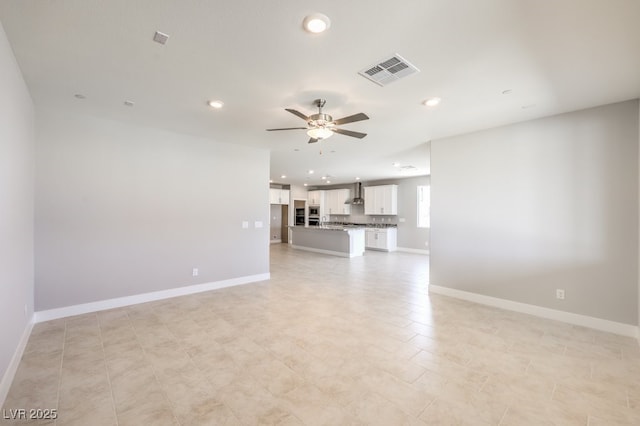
x=357, y=200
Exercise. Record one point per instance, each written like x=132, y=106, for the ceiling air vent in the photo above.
x=161, y=38
x=389, y=70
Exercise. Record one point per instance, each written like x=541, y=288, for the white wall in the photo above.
x=298, y=192
x=522, y=210
x=123, y=210
x=16, y=211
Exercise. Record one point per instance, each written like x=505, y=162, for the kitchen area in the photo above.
x=345, y=221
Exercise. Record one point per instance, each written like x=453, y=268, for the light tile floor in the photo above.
x=327, y=341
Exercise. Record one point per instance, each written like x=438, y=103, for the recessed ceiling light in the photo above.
x=323, y=178
x=306, y=184
x=270, y=180
x=328, y=181
x=431, y=102
x=316, y=23
x=129, y=103
x=310, y=172
x=283, y=176
x=357, y=178
x=216, y=104
x=80, y=96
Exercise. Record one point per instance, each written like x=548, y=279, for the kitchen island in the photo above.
x=342, y=241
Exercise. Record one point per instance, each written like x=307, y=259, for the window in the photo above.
x=424, y=206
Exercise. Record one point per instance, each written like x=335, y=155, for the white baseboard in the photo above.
x=275, y=241
x=539, y=311
x=12, y=368
x=412, y=250
x=102, y=305
x=331, y=252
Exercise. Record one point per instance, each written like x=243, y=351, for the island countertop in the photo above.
x=329, y=227
x=338, y=240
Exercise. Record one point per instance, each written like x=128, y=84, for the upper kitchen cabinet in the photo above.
x=278, y=196
x=381, y=200
x=315, y=198
x=335, y=201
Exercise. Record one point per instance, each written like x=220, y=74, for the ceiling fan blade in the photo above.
x=350, y=133
x=288, y=128
x=298, y=113
x=312, y=140
x=350, y=119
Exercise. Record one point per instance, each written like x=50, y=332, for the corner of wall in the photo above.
x=12, y=368
x=17, y=161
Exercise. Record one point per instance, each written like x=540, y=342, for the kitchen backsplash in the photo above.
x=357, y=216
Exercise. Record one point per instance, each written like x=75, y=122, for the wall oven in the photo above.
x=300, y=216
x=314, y=215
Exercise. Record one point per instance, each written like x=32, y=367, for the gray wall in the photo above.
x=409, y=235
x=522, y=210
x=16, y=206
x=123, y=210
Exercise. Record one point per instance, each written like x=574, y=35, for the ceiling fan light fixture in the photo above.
x=316, y=23
x=319, y=133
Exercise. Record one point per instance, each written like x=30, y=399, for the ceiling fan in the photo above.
x=321, y=126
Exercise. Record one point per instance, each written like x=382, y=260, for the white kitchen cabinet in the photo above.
x=315, y=198
x=335, y=201
x=384, y=239
x=278, y=196
x=381, y=200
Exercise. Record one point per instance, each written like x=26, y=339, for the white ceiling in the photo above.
x=554, y=56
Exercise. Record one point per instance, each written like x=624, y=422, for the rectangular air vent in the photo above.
x=161, y=38
x=389, y=70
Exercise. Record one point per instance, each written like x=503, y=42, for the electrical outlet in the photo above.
x=560, y=293
x=195, y=272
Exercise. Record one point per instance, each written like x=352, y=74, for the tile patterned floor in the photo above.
x=327, y=341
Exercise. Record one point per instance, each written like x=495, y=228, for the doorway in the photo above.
x=279, y=224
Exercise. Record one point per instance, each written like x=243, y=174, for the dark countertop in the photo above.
x=364, y=225
x=328, y=227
